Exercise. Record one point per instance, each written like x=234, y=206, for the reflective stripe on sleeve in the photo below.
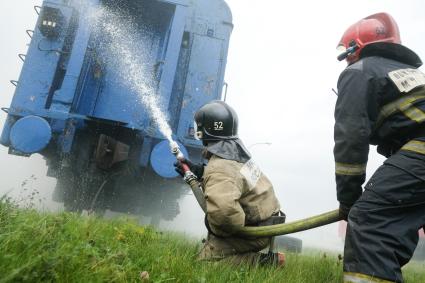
x=415, y=146
x=351, y=277
x=350, y=169
x=404, y=105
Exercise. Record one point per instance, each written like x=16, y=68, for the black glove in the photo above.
x=196, y=169
x=344, y=210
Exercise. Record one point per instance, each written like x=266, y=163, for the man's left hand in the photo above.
x=344, y=210
x=196, y=169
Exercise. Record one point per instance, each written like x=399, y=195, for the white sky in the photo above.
x=281, y=70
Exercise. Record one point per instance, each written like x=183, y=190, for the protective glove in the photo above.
x=344, y=210
x=196, y=169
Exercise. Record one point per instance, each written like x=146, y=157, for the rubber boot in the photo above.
x=273, y=259
x=281, y=259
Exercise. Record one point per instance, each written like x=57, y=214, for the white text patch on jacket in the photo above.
x=251, y=172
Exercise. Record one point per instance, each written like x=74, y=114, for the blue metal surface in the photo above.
x=171, y=59
x=40, y=67
x=203, y=83
x=5, y=136
x=146, y=152
x=162, y=33
x=30, y=134
x=162, y=159
x=74, y=84
x=177, y=2
x=208, y=58
x=66, y=138
x=63, y=97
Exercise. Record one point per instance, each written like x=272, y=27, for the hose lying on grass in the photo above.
x=291, y=227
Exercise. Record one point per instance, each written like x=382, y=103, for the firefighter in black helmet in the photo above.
x=216, y=121
x=236, y=192
x=381, y=101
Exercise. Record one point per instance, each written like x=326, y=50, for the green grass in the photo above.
x=65, y=247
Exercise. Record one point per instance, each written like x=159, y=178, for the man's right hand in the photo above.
x=196, y=169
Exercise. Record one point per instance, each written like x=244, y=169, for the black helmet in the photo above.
x=216, y=121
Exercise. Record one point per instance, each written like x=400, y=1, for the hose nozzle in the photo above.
x=175, y=149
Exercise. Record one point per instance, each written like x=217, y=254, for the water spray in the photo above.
x=130, y=57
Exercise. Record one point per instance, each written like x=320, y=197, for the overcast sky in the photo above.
x=281, y=70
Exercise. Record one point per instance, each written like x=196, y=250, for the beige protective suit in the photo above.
x=236, y=194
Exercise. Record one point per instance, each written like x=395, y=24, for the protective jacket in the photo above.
x=381, y=101
x=237, y=194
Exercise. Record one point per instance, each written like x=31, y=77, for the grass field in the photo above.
x=65, y=247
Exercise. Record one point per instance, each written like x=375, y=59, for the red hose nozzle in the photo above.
x=175, y=149
x=185, y=167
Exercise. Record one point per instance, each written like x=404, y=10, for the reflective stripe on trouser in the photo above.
x=350, y=169
x=351, y=277
x=382, y=231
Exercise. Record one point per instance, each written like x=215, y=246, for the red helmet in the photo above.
x=379, y=27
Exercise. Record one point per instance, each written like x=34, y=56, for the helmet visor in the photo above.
x=197, y=133
x=340, y=49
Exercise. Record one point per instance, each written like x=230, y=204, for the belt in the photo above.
x=276, y=218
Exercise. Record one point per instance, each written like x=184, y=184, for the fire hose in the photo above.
x=261, y=231
x=189, y=177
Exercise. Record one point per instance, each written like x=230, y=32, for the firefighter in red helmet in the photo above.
x=381, y=101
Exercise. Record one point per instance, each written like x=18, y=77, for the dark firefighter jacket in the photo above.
x=381, y=101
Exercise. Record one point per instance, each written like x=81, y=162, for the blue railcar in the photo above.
x=74, y=105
